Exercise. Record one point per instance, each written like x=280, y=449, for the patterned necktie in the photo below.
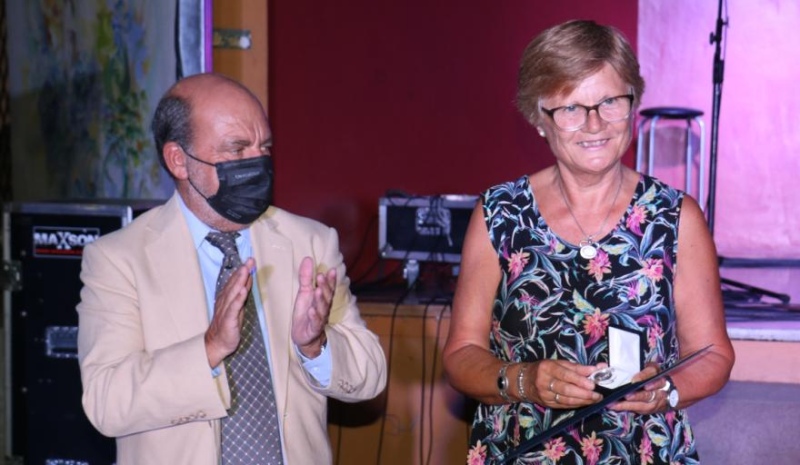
x=250, y=432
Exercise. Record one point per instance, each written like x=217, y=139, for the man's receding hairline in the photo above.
x=188, y=87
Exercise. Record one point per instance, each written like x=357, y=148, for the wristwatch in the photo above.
x=672, y=393
x=502, y=383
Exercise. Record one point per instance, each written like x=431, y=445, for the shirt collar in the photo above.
x=200, y=230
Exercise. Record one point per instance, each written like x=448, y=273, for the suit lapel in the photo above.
x=175, y=269
x=276, y=285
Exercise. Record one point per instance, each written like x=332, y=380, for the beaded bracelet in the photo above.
x=521, y=383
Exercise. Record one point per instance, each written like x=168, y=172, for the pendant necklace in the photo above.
x=588, y=247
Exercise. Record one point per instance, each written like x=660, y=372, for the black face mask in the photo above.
x=245, y=188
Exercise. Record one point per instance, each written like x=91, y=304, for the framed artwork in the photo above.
x=84, y=79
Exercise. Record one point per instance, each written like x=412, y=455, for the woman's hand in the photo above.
x=560, y=384
x=649, y=399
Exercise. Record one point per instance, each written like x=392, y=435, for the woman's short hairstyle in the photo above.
x=559, y=58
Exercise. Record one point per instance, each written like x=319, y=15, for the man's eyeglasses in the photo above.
x=574, y=117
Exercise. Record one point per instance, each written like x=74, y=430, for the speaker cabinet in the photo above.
x=42, y=248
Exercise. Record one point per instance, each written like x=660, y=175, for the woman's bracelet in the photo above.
x=502, y=383
x=521, y=383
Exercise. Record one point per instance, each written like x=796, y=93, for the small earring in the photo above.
x=541, y=131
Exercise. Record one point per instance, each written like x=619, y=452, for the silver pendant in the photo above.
x=588, y=250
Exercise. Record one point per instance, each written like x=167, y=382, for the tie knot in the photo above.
x=224, y=241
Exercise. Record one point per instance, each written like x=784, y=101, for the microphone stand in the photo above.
x=718, y=74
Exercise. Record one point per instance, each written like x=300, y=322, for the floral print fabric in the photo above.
x=553, y=304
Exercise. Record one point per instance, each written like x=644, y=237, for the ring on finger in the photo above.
x=552, y=381
x=652, y=396
x=556, y=399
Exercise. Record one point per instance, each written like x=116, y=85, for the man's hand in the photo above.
x=224, y=333
x=312, y=308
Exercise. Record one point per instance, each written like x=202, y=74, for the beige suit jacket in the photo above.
x=142, y=317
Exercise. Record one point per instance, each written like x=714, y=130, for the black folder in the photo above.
x=584, y=412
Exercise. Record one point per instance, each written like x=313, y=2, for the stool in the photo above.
x=651, y=116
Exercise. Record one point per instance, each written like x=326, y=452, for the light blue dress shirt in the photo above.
x=210, y=259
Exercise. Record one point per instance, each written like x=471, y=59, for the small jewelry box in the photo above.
x=624, y=360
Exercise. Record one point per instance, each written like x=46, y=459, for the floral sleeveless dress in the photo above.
x=554, y=304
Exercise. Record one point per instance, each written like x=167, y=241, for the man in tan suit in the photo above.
x=155, y=335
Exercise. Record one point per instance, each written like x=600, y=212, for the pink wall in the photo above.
x=757, y=198
x=415, y=95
